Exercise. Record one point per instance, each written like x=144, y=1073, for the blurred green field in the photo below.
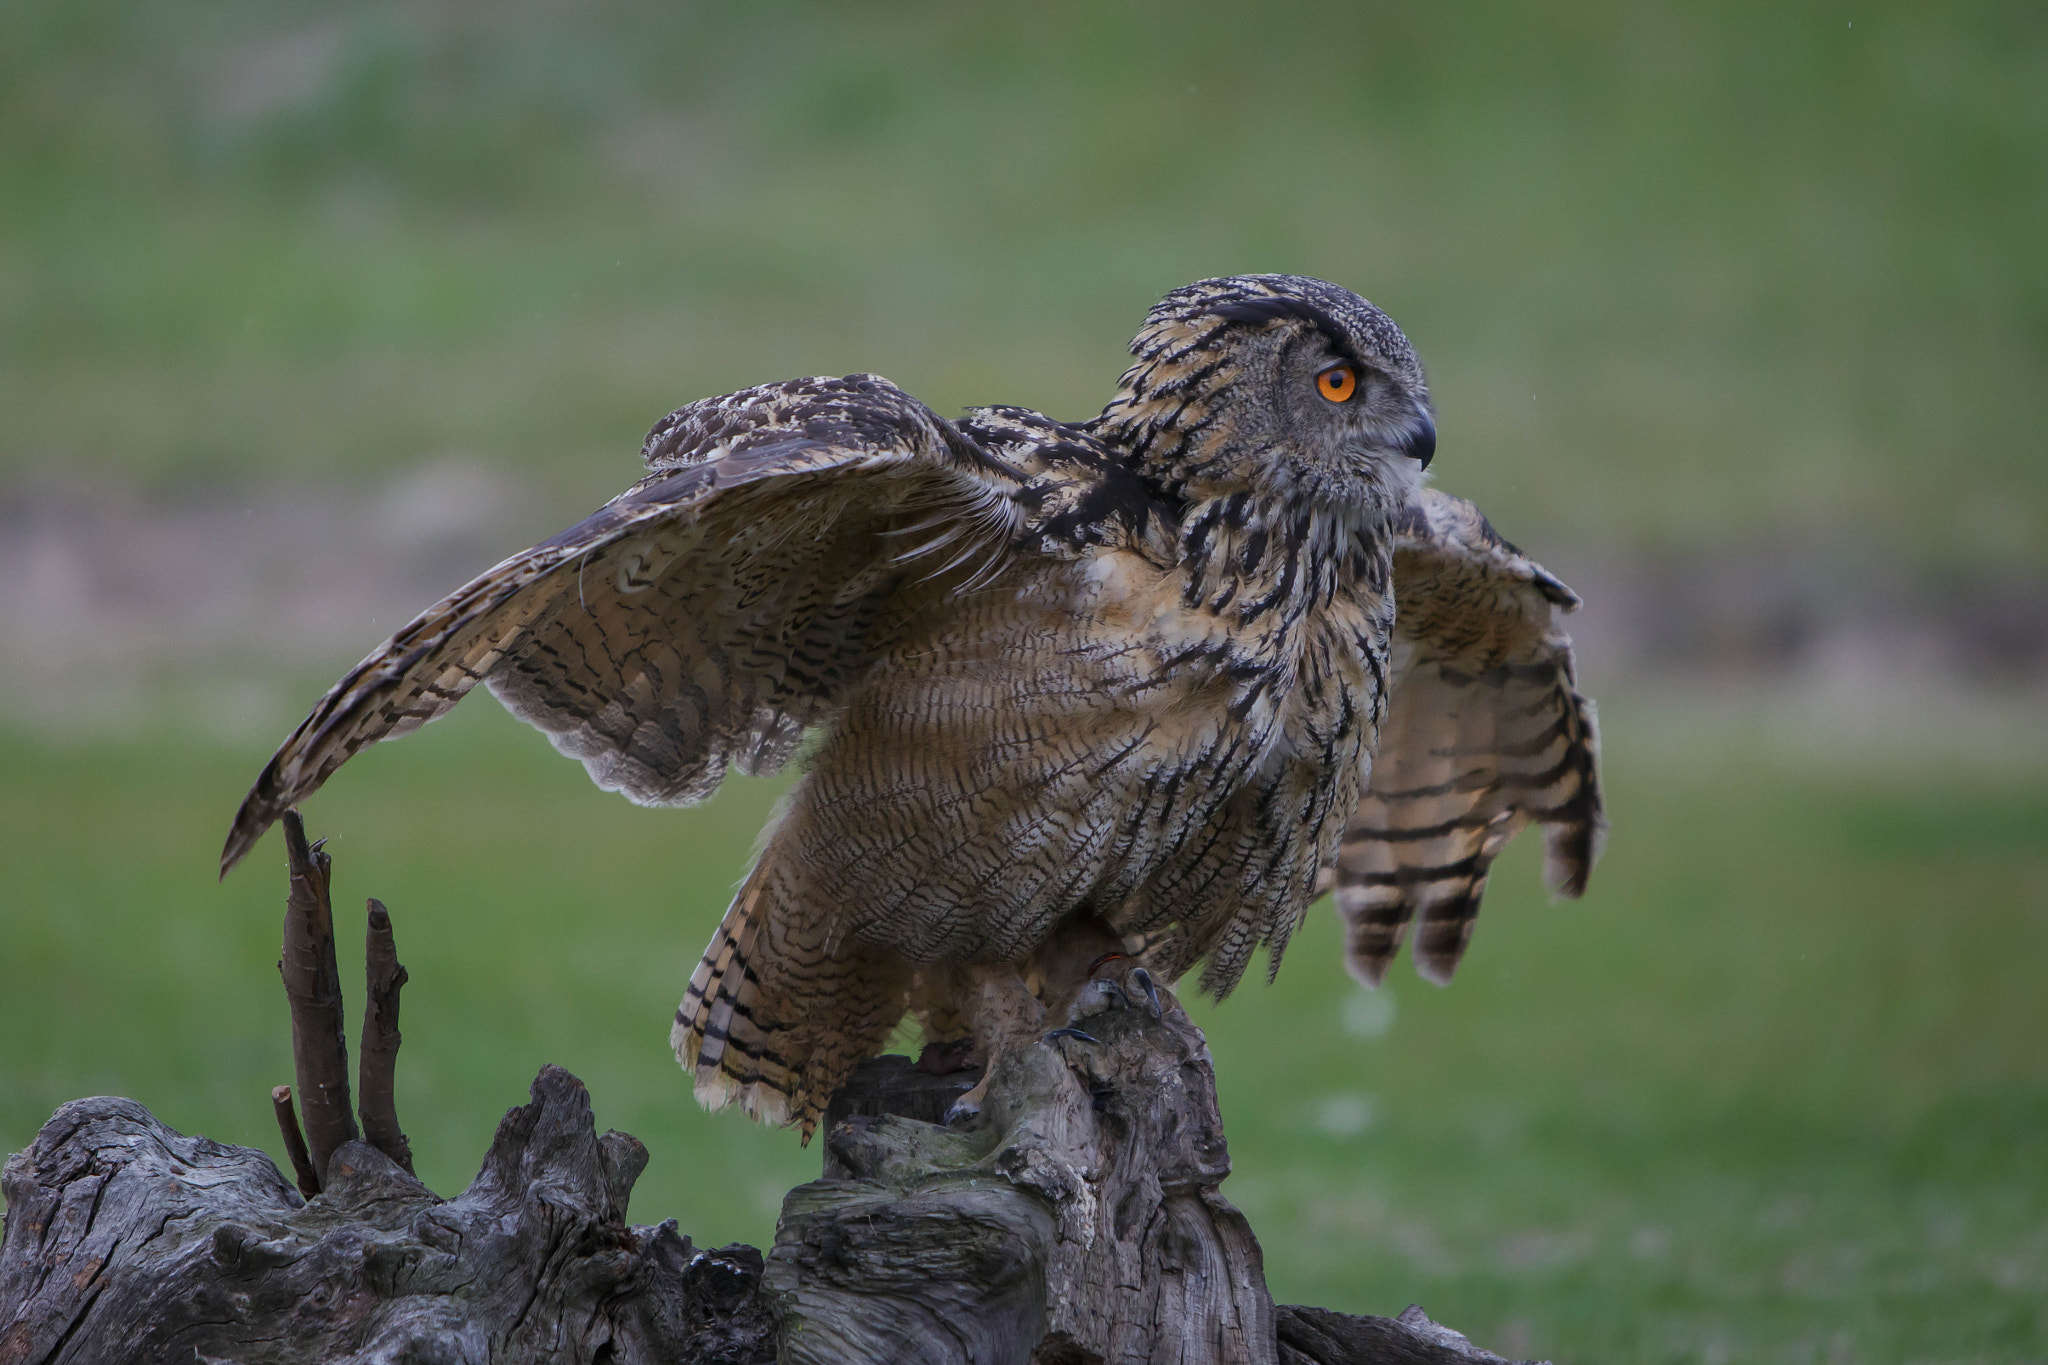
x=1680, y=274
x=1776, y=1091
x=1706, y=278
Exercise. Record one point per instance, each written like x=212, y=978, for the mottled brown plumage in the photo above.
x=1076, y=686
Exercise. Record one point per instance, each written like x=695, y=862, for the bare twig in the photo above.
x=379, y=1060
x=294, y=1140
x=312, y=985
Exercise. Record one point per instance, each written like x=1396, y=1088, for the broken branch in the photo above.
x=312, y=986
x=385, y=977
x=294, y=1140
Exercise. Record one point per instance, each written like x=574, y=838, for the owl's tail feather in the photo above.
x=776, y=1016
x=716, y=1035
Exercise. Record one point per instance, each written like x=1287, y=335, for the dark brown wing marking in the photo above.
x=1485, y=732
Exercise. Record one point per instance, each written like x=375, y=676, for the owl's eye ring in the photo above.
x=1338, y=383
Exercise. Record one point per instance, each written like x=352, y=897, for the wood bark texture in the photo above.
x=1078, y=1221
x=312, y=988
x=386, y=977
x=128, y=1241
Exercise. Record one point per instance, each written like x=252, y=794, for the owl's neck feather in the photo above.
x=1272, y=561
x=1264, y=550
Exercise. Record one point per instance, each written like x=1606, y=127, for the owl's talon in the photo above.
x=1116, y=990
x=968, y=1105
x=1151, y=989
x=1051, y=1034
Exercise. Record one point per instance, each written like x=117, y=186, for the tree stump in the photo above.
x=1077, y=1220
x=129, y=1242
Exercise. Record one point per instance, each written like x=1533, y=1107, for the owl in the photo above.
x=1121, y=694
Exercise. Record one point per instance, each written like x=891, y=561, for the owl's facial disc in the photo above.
x=1355, y=433
x=1283, y=385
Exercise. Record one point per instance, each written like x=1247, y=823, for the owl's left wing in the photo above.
x=703, y=619
x=1485, y=732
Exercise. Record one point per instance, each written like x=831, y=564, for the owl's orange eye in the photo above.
x=1337, y=383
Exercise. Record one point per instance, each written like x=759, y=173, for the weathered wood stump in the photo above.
x=128, y=1242
x=1077, y=1220
x=1048, y=1234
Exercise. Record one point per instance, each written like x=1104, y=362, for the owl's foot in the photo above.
x=1142, y=979
x=968, y=1106
x=1116, y=981
x=1005, y=1016
x=943, y=1059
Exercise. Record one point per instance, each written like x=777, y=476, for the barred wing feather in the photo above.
x=700, y=620
x=1485, y=732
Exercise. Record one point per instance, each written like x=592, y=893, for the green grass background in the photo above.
x=1776, y=1090
x=1685, y=277
x=1679, y=272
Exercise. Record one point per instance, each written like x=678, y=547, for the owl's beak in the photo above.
x=1421, y=442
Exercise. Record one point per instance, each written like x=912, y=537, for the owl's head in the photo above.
x=1278, y=384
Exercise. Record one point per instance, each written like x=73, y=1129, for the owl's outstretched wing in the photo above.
x=1485, y=732
x=700, y=620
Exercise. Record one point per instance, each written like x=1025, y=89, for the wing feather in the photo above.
x=1485, y=732
x=701, y=620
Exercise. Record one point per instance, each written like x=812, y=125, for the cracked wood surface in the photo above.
x=127, y=1241
x=1079, y=1221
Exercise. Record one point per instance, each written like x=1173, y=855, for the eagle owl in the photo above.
x=1146, y=683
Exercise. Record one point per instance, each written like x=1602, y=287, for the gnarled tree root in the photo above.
x=129, y=1242
x=1080, y=1222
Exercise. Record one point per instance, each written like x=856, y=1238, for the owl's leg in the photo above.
x=948, y=1035
x=1004, y=1014
x=1079, y=964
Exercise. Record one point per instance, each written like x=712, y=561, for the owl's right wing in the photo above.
x=1485, y=732
x=704, y=618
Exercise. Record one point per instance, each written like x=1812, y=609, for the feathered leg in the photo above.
x=1005, y=1015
